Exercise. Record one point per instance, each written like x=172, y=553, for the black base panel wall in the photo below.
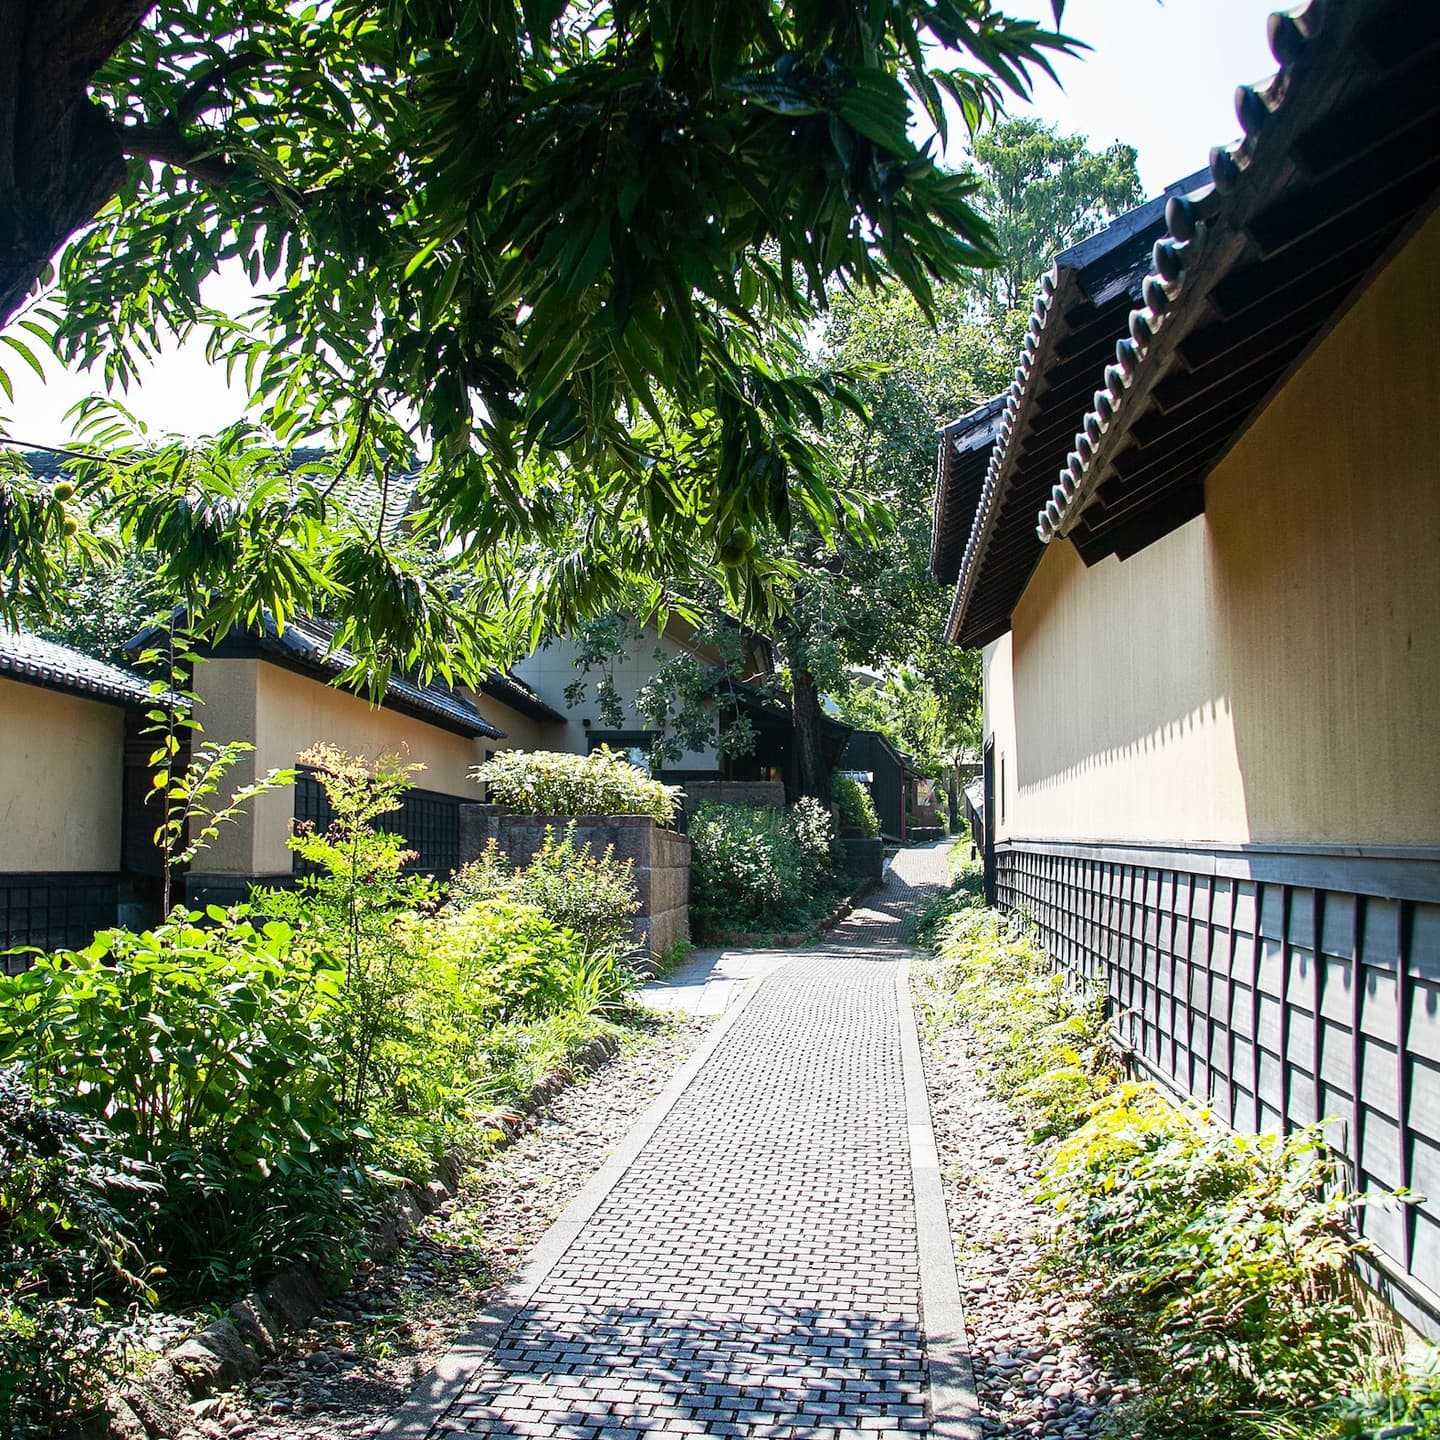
x=1278, y=1003
x=54, y=912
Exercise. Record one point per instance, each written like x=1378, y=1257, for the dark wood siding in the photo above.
x=428, y=821
x=54, y=912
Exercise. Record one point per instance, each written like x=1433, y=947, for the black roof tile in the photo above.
x=59, y=667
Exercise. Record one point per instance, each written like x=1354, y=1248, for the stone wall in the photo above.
x=661, y=859
x=735, y=792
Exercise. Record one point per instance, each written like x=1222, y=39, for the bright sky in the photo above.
x=1160, y=76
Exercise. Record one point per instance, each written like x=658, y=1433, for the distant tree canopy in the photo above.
x=565, y=254
x=873, y=602
x=1041, y=192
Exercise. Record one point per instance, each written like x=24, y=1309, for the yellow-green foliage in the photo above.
x=1216, y=1262
x=857, y=809
x=1047, y=1040
x=545, y=782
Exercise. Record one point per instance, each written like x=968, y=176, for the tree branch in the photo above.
x=199, y=96
x=168, y=145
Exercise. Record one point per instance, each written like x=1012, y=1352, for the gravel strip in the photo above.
x=384, y=1333
x=1032, y=1372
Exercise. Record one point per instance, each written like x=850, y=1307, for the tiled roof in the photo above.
x=1338, y=159
x=965, y=446
x=308, y=641
x=42, y=662
x=512, y=691
x=1081, y=304
x=306, y=644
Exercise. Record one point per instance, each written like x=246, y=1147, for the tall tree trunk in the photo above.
x=806, y=712
x=60, y=154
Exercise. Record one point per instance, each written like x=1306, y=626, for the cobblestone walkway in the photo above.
x=755, y=1271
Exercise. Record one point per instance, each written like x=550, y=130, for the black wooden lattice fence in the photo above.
x=1278, y=1003
x=429, y=822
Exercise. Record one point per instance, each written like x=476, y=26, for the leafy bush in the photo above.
x=489, y=973
x=1216, y=1262
x=63, y=1243
x=857, y=809
x=814, y=832
x=754, y=866
x=1047, y=1041
x=967, y=892
x=56, y=1361
x=60, y=1175
x=351, y=902
x=1391, y=1401
x=544, y=782
x=595, y=896
x=205, y=1051
x=229, y=1092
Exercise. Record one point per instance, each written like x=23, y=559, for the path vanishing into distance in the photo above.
x=766, y=1253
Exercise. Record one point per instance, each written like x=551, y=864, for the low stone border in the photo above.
x=235, y=1347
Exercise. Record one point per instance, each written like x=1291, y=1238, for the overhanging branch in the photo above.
x=167, y=144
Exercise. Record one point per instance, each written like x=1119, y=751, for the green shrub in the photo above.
x=56, y=1362
x=205, y=1050
x=485, y=973
x=754, y=866
x=64, y=1246
x=1215, y=1262
x=352, y=904
x=244, y=1083
x=857, y=809
x=61, y=1174
x=1048, y=1041
x=595, y=896
x=967, y=892
x=1392, y=1400
x=544, y=782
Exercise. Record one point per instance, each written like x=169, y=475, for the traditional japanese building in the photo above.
x=1199, y=542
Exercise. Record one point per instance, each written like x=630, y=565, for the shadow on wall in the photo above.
x=1270, y=671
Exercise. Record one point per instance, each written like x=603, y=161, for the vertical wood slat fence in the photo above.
x=1276, y=1002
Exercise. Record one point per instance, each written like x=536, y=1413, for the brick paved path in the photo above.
x=755, y=1271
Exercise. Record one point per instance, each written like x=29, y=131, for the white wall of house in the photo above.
x=552, y=668
x=61, y=772
x=1269, y=672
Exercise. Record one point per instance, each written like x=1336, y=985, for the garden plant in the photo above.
x=189, y=1108
x=1216, y=1264
x=759, y=869
x=543, y=782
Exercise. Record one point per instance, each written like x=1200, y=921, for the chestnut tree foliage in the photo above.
x=536, y=274
x=852, y=600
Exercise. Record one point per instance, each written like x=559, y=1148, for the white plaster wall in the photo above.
x=61, y=776
x=552, y=668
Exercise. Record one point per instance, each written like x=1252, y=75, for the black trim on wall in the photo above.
x=428, y=821
x=1281, y=986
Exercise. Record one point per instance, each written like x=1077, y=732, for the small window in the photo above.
x=634, y=745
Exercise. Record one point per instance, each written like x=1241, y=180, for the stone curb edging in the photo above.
x=235, y=1347
x=434, y=1396
x=954, y=1401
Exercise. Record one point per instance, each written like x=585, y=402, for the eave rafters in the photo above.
x=1255, y=264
